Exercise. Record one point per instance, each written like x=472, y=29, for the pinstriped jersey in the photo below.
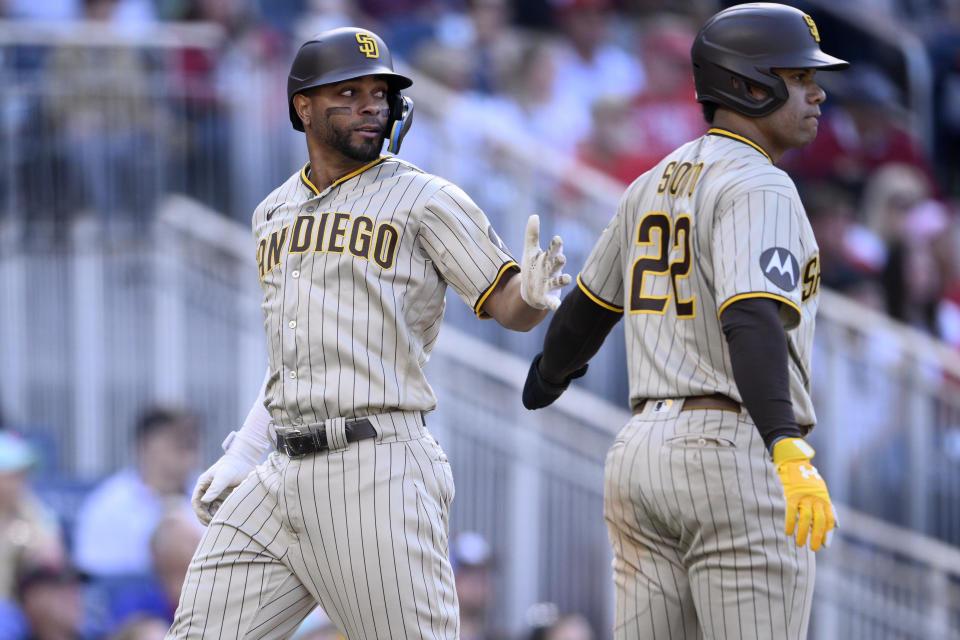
x=353, y=281
x=714, y=222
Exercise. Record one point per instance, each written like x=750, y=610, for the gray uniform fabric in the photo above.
x=353, y=281
x=693, y=505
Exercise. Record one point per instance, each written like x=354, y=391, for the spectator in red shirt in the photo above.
x=665, y=114
x=631, y=135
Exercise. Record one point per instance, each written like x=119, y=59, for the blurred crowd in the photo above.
x=103, y=130
x=112, y=565
x=604, y=82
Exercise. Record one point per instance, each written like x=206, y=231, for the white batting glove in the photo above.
x=242, y=453
x=540, y=277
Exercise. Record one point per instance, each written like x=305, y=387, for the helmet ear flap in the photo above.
x=732, y=89
x=401, y=117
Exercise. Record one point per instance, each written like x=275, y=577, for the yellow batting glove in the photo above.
x=809, y=509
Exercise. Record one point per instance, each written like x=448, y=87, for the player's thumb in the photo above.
x=196, y=500
x=203, y=483
x=532, y=237
x=217, y=485
x=791, y=519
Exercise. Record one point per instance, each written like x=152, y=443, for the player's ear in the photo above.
x=757, y=93
x=301, y=104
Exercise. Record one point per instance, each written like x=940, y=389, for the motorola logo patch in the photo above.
x=780, y=267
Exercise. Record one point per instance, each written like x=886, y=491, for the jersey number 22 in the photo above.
x=676, y=236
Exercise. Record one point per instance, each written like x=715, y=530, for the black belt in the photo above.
x=297, y=443
x=712, y=401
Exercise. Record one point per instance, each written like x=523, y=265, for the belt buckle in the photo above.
x=295, y=443
x=298, y=443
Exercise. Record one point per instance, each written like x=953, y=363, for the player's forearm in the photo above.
x=576, y=332
x=506, y=306
x=758, y=355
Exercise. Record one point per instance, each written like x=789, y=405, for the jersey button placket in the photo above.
x=290, y=305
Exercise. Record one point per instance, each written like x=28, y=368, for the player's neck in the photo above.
x=748, y=128
x=327, y=166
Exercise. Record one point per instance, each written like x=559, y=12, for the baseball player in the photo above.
x=355, y=252
x=712, y=261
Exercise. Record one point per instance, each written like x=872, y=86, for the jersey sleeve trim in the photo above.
x=716, y=131
x=760, y=294
x=478, y=308
x=595, y=299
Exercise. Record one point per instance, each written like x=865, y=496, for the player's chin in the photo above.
x=804, y=136
x=367, y=149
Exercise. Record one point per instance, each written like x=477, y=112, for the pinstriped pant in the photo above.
x=695, y=514
x=360, y=530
